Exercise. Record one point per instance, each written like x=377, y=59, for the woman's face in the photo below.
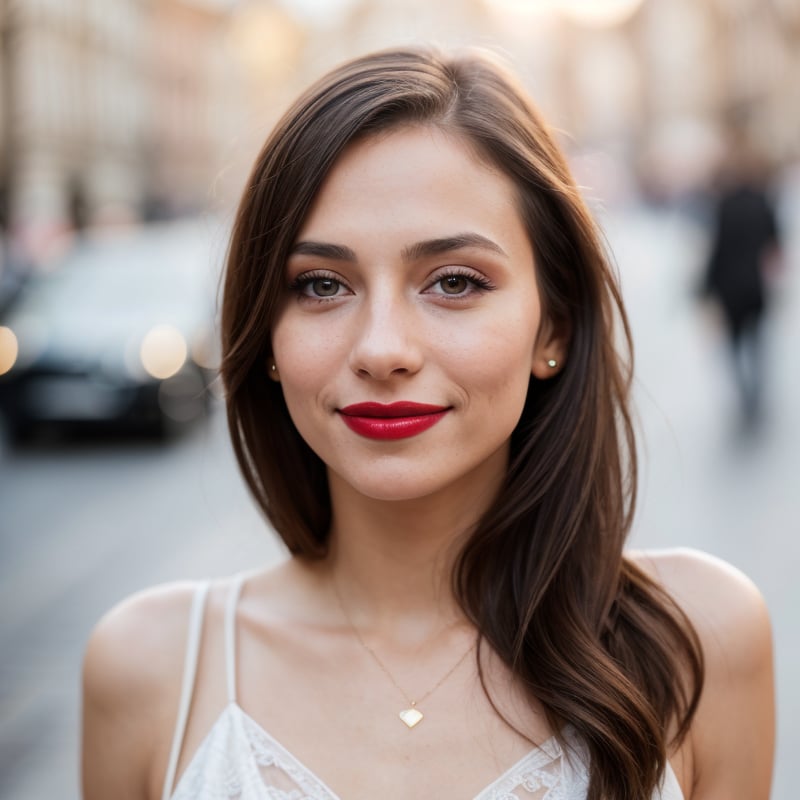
x=412, y=319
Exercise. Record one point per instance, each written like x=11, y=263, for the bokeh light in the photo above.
x=9, y=349
x=163, y=351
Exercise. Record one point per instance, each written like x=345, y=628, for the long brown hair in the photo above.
x=542, y=576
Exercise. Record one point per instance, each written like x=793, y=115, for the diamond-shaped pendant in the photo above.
x=411, y=716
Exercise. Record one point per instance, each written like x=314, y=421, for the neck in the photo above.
x=391, y=563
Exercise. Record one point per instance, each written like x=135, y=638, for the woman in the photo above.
x=425, y=400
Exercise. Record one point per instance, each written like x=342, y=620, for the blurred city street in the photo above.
x=129, y=119
x=84, y=524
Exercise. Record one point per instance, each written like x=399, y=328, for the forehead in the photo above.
x=413, y=181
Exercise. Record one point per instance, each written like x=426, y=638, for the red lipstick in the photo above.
x=393, y=421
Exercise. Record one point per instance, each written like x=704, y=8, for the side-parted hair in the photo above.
x=543, y=575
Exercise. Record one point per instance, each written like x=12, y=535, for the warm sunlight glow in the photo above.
x=318, y=11
x=264, y=38
x=598, y=12
x=588, y=12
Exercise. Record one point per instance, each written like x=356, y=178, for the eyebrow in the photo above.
x=332, y=252
x=435, y=247
x=429, y=247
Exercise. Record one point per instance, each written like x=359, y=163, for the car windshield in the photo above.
x=141, y=271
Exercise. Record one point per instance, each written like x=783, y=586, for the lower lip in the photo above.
x=392, y=427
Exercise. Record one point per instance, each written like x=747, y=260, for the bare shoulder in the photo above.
x=138, y=643
x=732, y=735
x=131, y=681
x=724, y=605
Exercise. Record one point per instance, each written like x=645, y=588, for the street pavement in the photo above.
x=84, y=524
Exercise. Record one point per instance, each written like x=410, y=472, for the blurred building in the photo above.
x=111, y=112
x=709, y=69
x=659, y=85
x=74, y=115
x=645, y=91
x=196, y=103
x=114, y=110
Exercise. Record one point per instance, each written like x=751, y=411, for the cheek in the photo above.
x=304, y=352
x=497, y=355
x=304, y=362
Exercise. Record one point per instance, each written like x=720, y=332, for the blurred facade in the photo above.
x=112, y=111
x=121, y=110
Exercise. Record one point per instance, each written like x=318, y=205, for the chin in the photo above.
x=390, y=488
x=387, y=482
x=386, y=477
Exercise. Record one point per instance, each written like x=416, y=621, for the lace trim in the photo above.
x=268, y=752
x=546, y=773
x=239, y=760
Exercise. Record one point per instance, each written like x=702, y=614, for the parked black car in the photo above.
x=121, y=331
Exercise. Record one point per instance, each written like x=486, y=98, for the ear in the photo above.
x=272, y=370
x=550, y=351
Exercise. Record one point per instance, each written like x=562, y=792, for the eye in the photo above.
x=459, y=283
x=324, y=287
x=316, y=286
x=454, y=284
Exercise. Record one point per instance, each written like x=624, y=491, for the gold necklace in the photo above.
x=411, y=715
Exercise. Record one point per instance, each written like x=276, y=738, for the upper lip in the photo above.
x=402, y=408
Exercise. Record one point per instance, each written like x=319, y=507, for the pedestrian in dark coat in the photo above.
x=745, y=238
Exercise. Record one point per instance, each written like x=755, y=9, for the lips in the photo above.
x=398, y=420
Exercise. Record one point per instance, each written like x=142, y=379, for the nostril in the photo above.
x=365, y=372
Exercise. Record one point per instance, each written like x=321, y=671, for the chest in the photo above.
x=239, y=759
x=331, y=729
x=338, y=710
x=355, y=742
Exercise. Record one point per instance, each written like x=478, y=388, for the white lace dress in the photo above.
x=239, y=760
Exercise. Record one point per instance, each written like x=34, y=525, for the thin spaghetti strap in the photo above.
x=230, y=635
x=189, y=672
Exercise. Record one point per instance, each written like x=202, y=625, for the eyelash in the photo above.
x=299, y=284
x=478, y=282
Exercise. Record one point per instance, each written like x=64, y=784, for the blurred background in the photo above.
x=127, y=128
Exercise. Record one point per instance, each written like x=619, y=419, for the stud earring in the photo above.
x=273, y=371
x=552, y=363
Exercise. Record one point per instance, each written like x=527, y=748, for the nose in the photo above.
x=386, y=340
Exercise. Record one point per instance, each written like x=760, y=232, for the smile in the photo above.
x=394, y=421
